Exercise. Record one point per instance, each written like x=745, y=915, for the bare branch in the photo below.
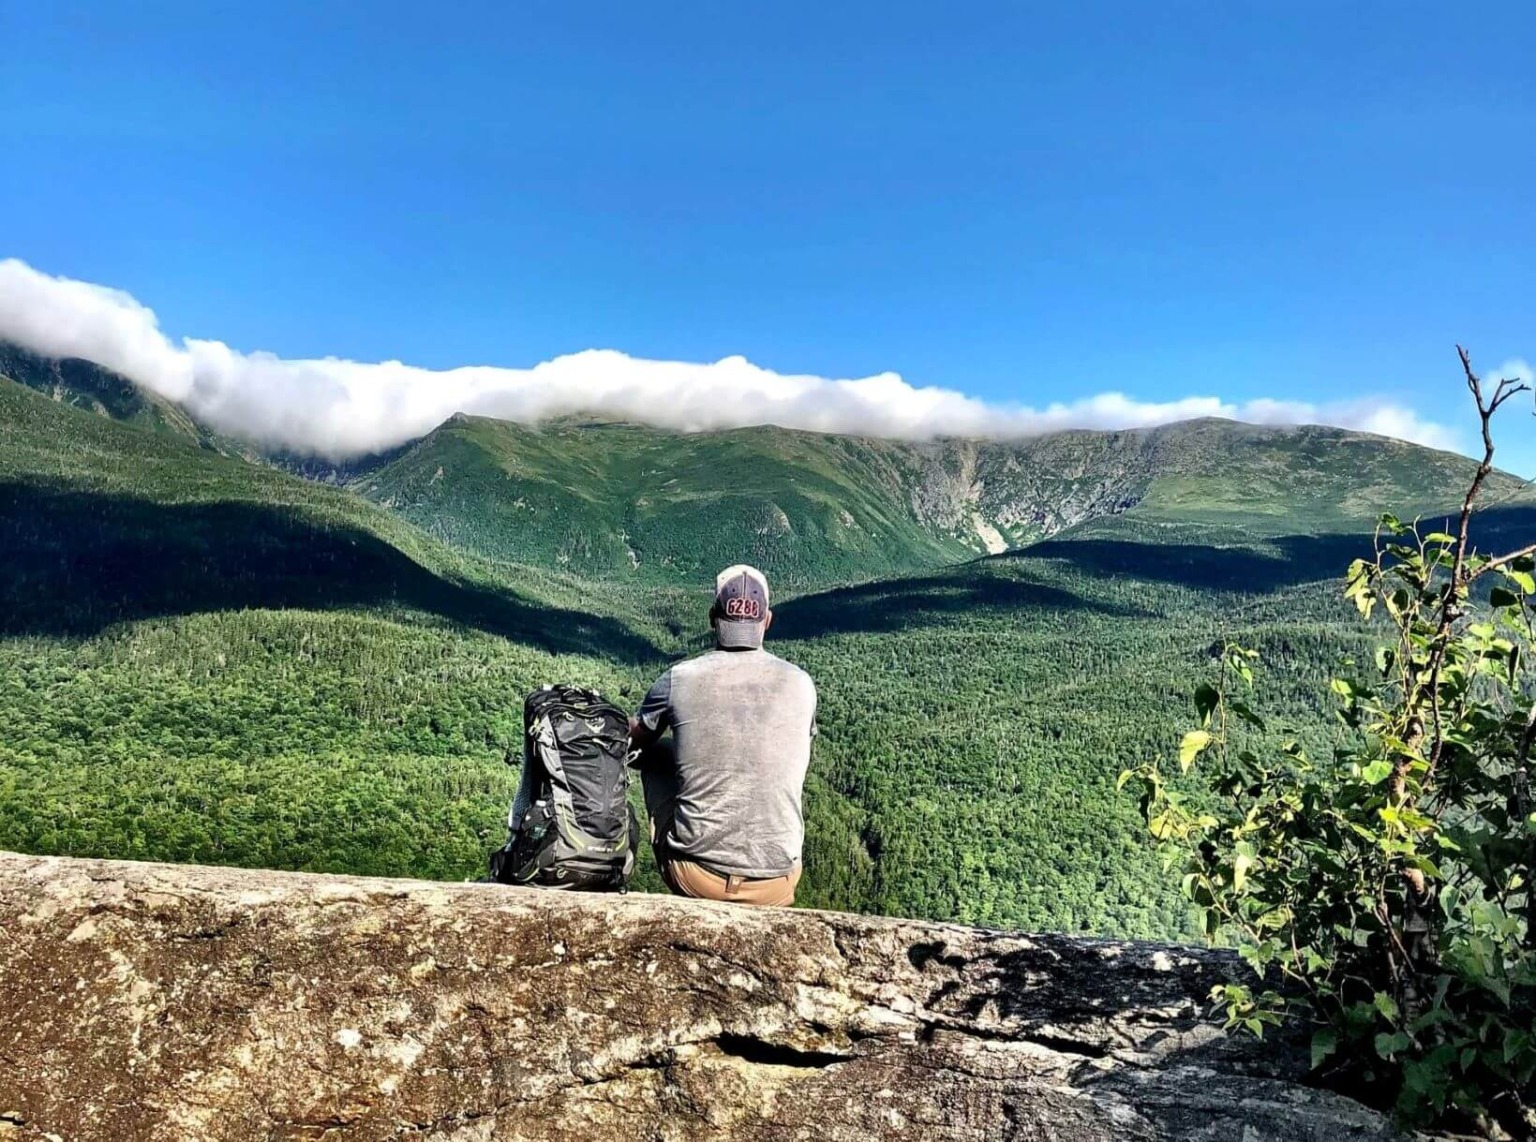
x=1506, y=388
x=1485, y=413
x=1502, y=561
x=1456, y=590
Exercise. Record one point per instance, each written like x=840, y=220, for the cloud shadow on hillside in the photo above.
x=73, y=562
x=1293, y=560
x=905, y=604
x=1281, y=562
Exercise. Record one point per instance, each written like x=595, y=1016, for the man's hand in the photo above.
x=640, y=737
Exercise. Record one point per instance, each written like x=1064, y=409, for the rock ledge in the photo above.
x=146, y=1001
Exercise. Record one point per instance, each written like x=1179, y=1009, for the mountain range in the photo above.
x=605, y=499
x=610, y=499
x=211, y=652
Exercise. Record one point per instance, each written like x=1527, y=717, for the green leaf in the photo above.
x=1244, y=711
x=1386, y=658
x=1523, y=579
x=1515, y=1043
x=1388, y=1045
x=1376, y=772
x=1499, y=597
x=1420, y=1079
x=1450, y=899
x=1194, y=744
x=1240, y=868
x=1324, y=1044
x=1275, y=918
x=1387, y=1006
x=1439, y=537
x=1364, y=600
x=1245, y=857
x=1207, y=698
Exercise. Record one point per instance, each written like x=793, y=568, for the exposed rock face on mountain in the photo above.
x=156, y=1001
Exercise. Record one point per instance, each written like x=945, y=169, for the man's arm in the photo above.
x=652, y=719
x=815, y=706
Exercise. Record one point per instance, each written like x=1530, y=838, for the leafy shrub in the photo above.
x=1385, y=894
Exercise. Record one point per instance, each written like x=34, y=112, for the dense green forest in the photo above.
x=204, y=658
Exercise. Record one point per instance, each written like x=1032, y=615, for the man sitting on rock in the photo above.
x=724, y=794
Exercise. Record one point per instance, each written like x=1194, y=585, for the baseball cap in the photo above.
x=741, y=607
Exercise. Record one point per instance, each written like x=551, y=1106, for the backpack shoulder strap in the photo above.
x=543, y=734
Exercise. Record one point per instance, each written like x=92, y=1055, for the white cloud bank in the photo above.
x=337, y=408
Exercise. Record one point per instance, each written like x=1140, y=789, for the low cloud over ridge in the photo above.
x=337, y=408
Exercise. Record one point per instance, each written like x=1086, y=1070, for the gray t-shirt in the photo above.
x=742, y=722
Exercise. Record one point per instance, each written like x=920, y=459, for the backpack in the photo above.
x=579, y=831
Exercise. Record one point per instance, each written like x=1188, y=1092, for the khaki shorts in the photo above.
x=686, y=878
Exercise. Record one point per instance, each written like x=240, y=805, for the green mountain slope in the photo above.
x=1269, y=480
x=619, y=500
x=86, y=385
x=104, y=521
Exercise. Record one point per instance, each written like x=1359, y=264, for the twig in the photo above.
x=1502, y=561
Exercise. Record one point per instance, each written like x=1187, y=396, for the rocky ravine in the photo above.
x=161, y=1002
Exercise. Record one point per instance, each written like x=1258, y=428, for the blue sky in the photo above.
x=1303, y=201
